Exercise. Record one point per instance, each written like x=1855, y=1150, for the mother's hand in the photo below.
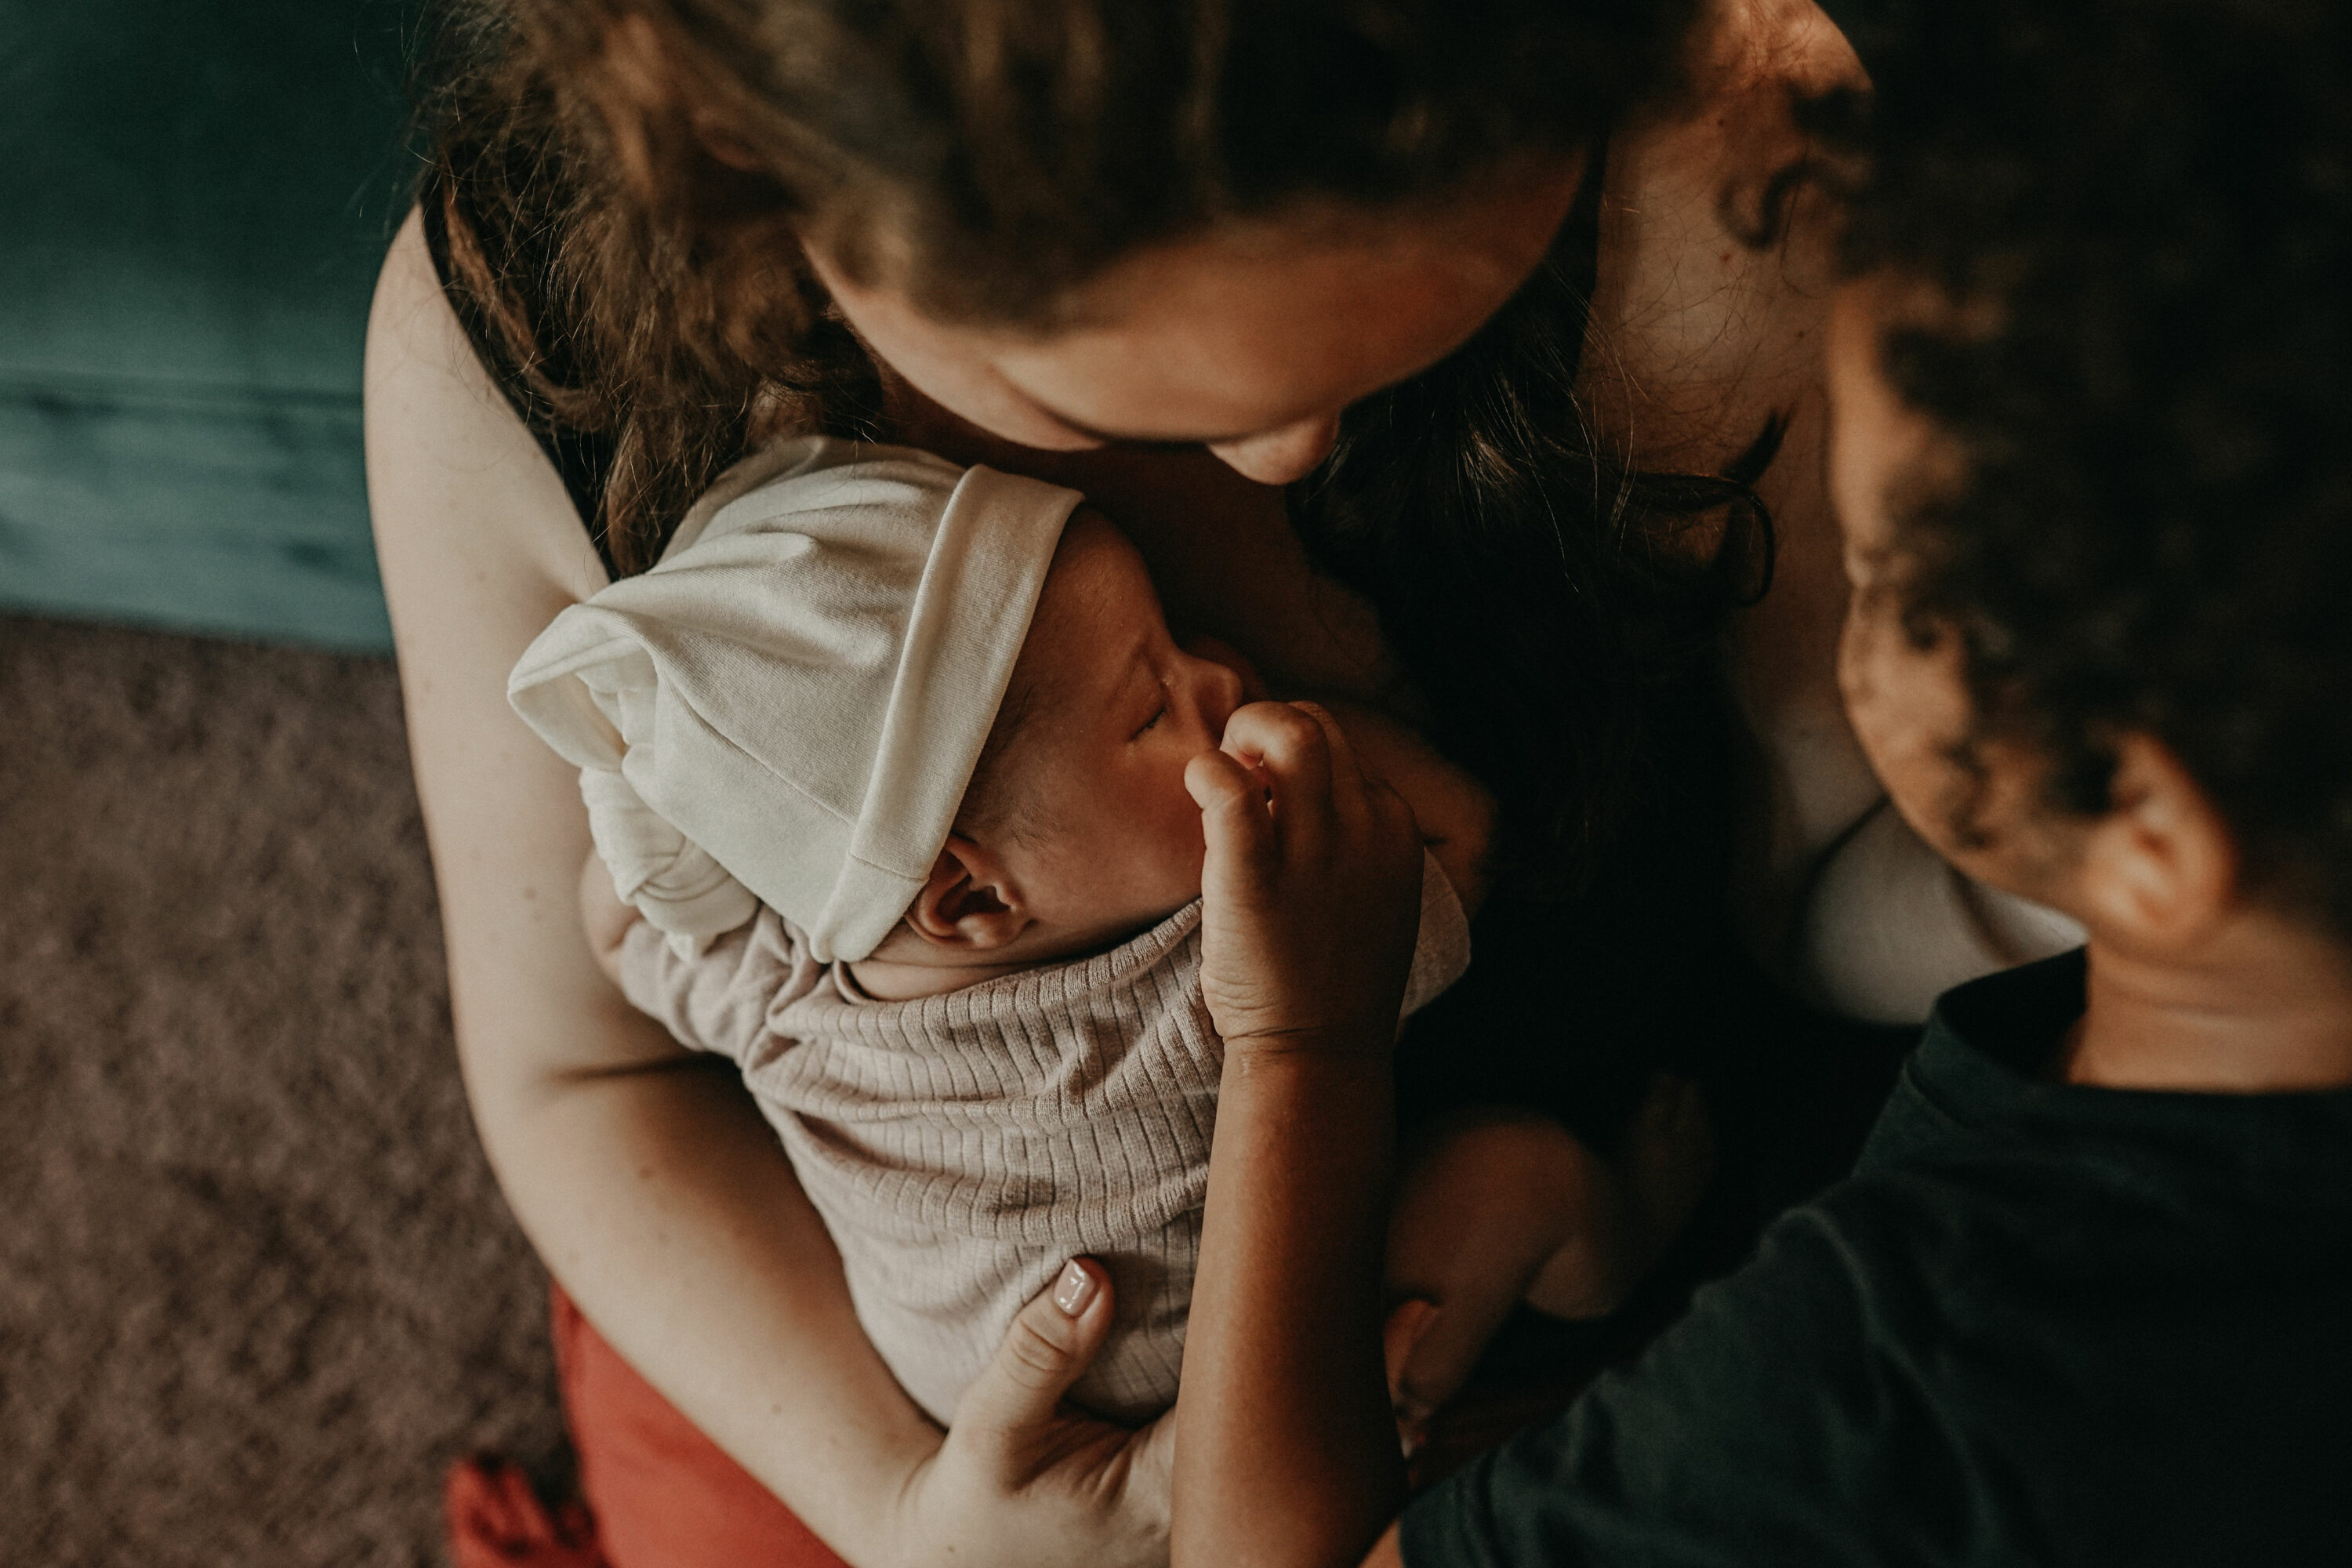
x=1019, y=1479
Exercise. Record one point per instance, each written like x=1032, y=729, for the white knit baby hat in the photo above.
x=787, y=708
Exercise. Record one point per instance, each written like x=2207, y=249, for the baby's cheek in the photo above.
x=1169, y=838
x=1132, y=848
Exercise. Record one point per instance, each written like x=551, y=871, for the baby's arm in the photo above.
x=716, y=1000
x=605, y=916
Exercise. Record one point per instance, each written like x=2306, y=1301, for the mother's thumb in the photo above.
x=1049, y=1347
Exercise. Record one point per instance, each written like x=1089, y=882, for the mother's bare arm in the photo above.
x=649, y=1182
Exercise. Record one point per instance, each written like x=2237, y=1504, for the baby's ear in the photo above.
x=969, y=902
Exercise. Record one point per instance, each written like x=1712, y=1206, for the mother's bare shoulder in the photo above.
x=449, y=460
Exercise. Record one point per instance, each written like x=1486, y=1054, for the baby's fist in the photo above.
x=1311, y=890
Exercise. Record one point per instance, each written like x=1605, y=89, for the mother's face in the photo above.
x=1247, y=339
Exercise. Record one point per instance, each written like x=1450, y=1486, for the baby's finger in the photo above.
x=1233, y=818
x=1291, y=747
x=1349, y=781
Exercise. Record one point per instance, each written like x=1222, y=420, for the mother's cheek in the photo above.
x=949, y=365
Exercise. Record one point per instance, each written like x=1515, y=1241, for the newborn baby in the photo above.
x=885, y=762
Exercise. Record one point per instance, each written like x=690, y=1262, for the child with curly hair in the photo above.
x=2084, y=1298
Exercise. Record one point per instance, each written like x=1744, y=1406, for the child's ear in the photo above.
x=970, y=901
x=2161, y=868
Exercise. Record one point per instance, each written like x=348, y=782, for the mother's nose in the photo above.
x=1278, y=456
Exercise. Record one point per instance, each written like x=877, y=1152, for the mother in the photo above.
x=1085, y=239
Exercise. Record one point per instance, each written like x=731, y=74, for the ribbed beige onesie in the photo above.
x=961, y=1147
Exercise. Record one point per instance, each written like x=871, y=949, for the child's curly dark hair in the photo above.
x=2154, y=531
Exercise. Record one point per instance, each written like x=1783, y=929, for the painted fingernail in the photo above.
x=1074, y=1290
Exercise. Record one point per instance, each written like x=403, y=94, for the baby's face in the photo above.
x=1106, y=711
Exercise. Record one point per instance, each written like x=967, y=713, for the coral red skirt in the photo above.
x=657, y=1492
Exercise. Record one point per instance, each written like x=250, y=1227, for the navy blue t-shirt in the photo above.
x=2039, y=1323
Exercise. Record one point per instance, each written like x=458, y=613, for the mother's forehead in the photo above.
x=1213, y=335
x=1221, y=334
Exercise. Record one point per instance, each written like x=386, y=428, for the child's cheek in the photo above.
x=1873, y=674
x=1910, y=709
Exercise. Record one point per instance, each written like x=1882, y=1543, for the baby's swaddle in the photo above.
x=961, y=1147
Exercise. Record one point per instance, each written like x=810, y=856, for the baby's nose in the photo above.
x=1223, y=683
x=1225, y=695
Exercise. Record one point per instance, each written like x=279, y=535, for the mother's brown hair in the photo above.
x=622, y=187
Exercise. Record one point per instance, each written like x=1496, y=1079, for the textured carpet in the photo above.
x=257, y=1286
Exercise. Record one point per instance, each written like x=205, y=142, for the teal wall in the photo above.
x=198, y=194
